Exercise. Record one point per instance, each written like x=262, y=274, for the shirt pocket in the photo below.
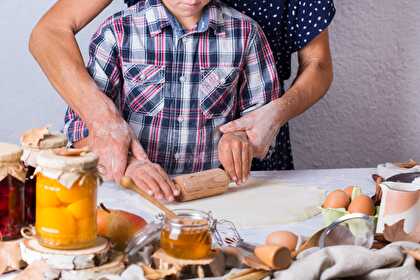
x=144, y=85
x=218, y=91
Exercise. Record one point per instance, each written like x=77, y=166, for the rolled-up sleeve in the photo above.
x=104, y=68
x=260, y=76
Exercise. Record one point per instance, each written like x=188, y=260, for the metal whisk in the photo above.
x=226, y=234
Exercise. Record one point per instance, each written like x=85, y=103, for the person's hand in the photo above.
x=152, y=178
x=235, y=154
x=111, y=139
x=261, y=127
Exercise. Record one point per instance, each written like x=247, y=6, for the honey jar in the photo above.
x=66, y=190
x=12, y=203
x=188, y=235
x=31, y=149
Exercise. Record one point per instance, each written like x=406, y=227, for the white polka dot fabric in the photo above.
x=289, y=24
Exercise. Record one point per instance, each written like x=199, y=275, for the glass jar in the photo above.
x=187, y=236
x=66, y=191
x=31, y=150
x=12, y=201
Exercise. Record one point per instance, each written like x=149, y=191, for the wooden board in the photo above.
x=32, y=251
x=115, y=266
x=214, y=264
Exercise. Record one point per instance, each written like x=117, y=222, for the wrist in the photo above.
x=105, y=112
x=283, y=109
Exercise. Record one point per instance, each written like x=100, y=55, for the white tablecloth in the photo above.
x=114, y=196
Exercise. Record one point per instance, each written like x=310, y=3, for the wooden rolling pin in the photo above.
x=201, y=184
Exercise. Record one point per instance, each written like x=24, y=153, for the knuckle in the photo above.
x=236, y=144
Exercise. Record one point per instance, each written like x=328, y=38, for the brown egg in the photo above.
x=362, y=204
x=349, y=191
x=336, y=199
x=282, y=238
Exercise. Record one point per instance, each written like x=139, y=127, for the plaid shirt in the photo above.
x=175, y=88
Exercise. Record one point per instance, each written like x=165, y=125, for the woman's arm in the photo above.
x=314, y=78
x=54, y=46
x=312, y=82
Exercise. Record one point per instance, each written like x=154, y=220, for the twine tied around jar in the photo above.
x=14, y=169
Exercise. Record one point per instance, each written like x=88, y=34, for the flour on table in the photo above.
x=261, y=202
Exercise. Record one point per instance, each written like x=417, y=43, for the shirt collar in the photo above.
x=158, y=18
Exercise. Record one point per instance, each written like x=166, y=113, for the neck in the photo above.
x=188, y=23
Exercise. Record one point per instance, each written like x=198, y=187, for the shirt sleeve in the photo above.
x=104, y=68
x=260, y=74
x=305, y=19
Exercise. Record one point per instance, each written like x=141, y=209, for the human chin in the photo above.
x=189, y=8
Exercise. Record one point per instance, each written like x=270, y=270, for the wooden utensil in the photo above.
x=274, y=256
x=201, y=184
x=128, y=183
x=313, y=241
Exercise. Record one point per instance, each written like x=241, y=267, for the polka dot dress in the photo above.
x=288, y=25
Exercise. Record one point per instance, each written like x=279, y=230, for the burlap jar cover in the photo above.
x=39, y=139
x=67, y=169
x=10, y=163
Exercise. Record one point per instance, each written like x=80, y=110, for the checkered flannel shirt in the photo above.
x=176, y=87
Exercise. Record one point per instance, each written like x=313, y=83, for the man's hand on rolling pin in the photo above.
x=235, y=154
x=152, y=178
x=261, y=127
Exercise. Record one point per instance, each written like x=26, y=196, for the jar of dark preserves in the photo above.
x=12, y=191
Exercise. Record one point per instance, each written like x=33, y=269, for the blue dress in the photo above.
x=288, y=25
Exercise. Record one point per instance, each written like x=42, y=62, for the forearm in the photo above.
x=53, y=45
x=311, y=84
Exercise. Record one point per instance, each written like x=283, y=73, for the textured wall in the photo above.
x=370, y=114
x=27, y=98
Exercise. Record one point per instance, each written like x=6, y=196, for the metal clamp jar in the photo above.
x=188, y=235
x=12, y=203
x=31, y=149
x=66, y=191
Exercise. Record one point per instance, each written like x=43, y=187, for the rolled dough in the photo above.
x=261, y=202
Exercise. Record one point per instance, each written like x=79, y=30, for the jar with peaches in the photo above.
x=66, y=190
x=33, y=142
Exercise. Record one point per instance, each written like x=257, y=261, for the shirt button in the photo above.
x=182, y=79
x=142, y=77
x=180, y=119
x=177, y=156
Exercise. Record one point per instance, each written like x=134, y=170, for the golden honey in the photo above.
x=187, y=236
x=66, y=215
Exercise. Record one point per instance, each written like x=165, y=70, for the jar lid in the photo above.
x=41, y=138
x=10, y=152
x=52, y=141
x=85, y=161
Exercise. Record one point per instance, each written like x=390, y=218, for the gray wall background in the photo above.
x=370, y=115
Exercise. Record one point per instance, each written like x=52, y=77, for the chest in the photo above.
x=190, y=53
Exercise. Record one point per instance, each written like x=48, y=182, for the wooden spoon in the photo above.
x=313, y=241
x=128, y=183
